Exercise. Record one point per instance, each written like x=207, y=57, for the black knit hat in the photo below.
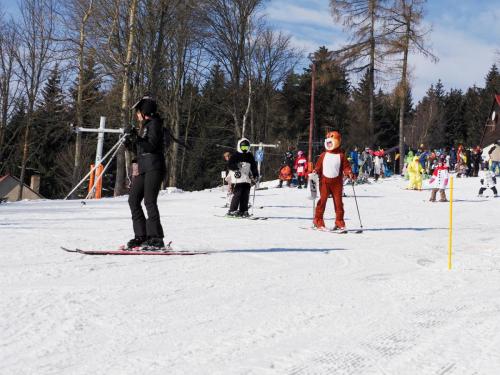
x=146, y=105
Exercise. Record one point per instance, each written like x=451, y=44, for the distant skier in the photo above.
x=494, y=154
x=415, y=171
x=243, y=168
x=378, y=165
x=477, y=160
x=285, y=174
x=228, y=179
x=439, y=180
x=488, y=181
x=331, y=168
x=300, y=167
x=354, y=156
x=148, y=144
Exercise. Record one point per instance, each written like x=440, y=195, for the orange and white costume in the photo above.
x=331, y=167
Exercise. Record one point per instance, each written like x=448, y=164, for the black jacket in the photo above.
x=149, y=147
x=247, y=157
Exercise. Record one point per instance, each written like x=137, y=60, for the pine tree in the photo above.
x=454, y=111
x=387, y=120
x=10, y=154
x=212, y=129
x=92, y=95
x=473, y=119
x=360, y=133
x=51, y=130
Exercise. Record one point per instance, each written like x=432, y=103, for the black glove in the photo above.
x=131, y=133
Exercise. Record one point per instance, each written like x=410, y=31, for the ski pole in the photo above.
x=253, y=200
x=357, y=208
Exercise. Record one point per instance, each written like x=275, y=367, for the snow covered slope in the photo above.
x=275, y=299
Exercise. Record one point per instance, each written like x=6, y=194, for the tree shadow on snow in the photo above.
x=282, y=250
x=402, y=229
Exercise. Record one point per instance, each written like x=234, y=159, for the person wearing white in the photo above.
x=488, y=181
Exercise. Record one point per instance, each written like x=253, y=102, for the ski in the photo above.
x=243, y=218
x=326, y=230
x=134, y=252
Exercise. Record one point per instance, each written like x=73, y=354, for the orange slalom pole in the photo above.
x=98, y=188
x=92, y=176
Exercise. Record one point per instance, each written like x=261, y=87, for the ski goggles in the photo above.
x=244, y=147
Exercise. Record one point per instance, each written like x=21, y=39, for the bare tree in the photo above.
x=34, y=55
x=75, y=17
x=8, y=86
x=82, y=9
x=114, y=28
x=229, y=24
x=406, y=34
x=274, y=58
x=364, y=20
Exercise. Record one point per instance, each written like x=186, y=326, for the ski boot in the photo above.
x=319, y=224
x=340, y=230
x=234, y=214
x=135, y=242
x=153, y=244
x=244, y=214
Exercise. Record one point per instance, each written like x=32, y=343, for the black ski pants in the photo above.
x=241, y=196
x=483, y=189
x=146, y=186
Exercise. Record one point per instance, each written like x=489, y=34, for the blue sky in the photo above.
x=465, y=36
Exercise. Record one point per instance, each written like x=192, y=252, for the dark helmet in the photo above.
x=498, y=142
x=146, y=105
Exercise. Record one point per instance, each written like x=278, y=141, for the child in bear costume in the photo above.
x=331, y=167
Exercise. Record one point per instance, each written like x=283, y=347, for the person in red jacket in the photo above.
x=300, y=167
x=331, y=168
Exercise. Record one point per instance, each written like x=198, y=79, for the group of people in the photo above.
x=293, y=166
x=465, y=162
x=370, y=163
x=333, y=166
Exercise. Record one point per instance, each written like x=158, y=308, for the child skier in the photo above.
x=331, y=167
x=243, y=167
x=300, y=167
x=415, y=171
x=439, y=180
x=488, y=181
x=228, y=179
x=285, y=174
x=377, y=165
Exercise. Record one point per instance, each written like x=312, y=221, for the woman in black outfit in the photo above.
x=148, y=145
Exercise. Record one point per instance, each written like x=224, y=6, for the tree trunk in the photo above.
x=371, y=83
x=249, y=103
x=79, y=98
x=120, y=160
x=25, y=149
x=402, y=98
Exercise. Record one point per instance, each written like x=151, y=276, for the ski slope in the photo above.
x=273, y=299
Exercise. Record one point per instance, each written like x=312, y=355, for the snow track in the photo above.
x=272, y=299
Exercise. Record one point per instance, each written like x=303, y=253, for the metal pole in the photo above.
x=100, y=141
x=117, y=144
x=357, y=208
x=311, y=118
x=91, y=193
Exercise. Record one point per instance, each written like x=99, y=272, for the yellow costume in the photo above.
x=415, y=171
